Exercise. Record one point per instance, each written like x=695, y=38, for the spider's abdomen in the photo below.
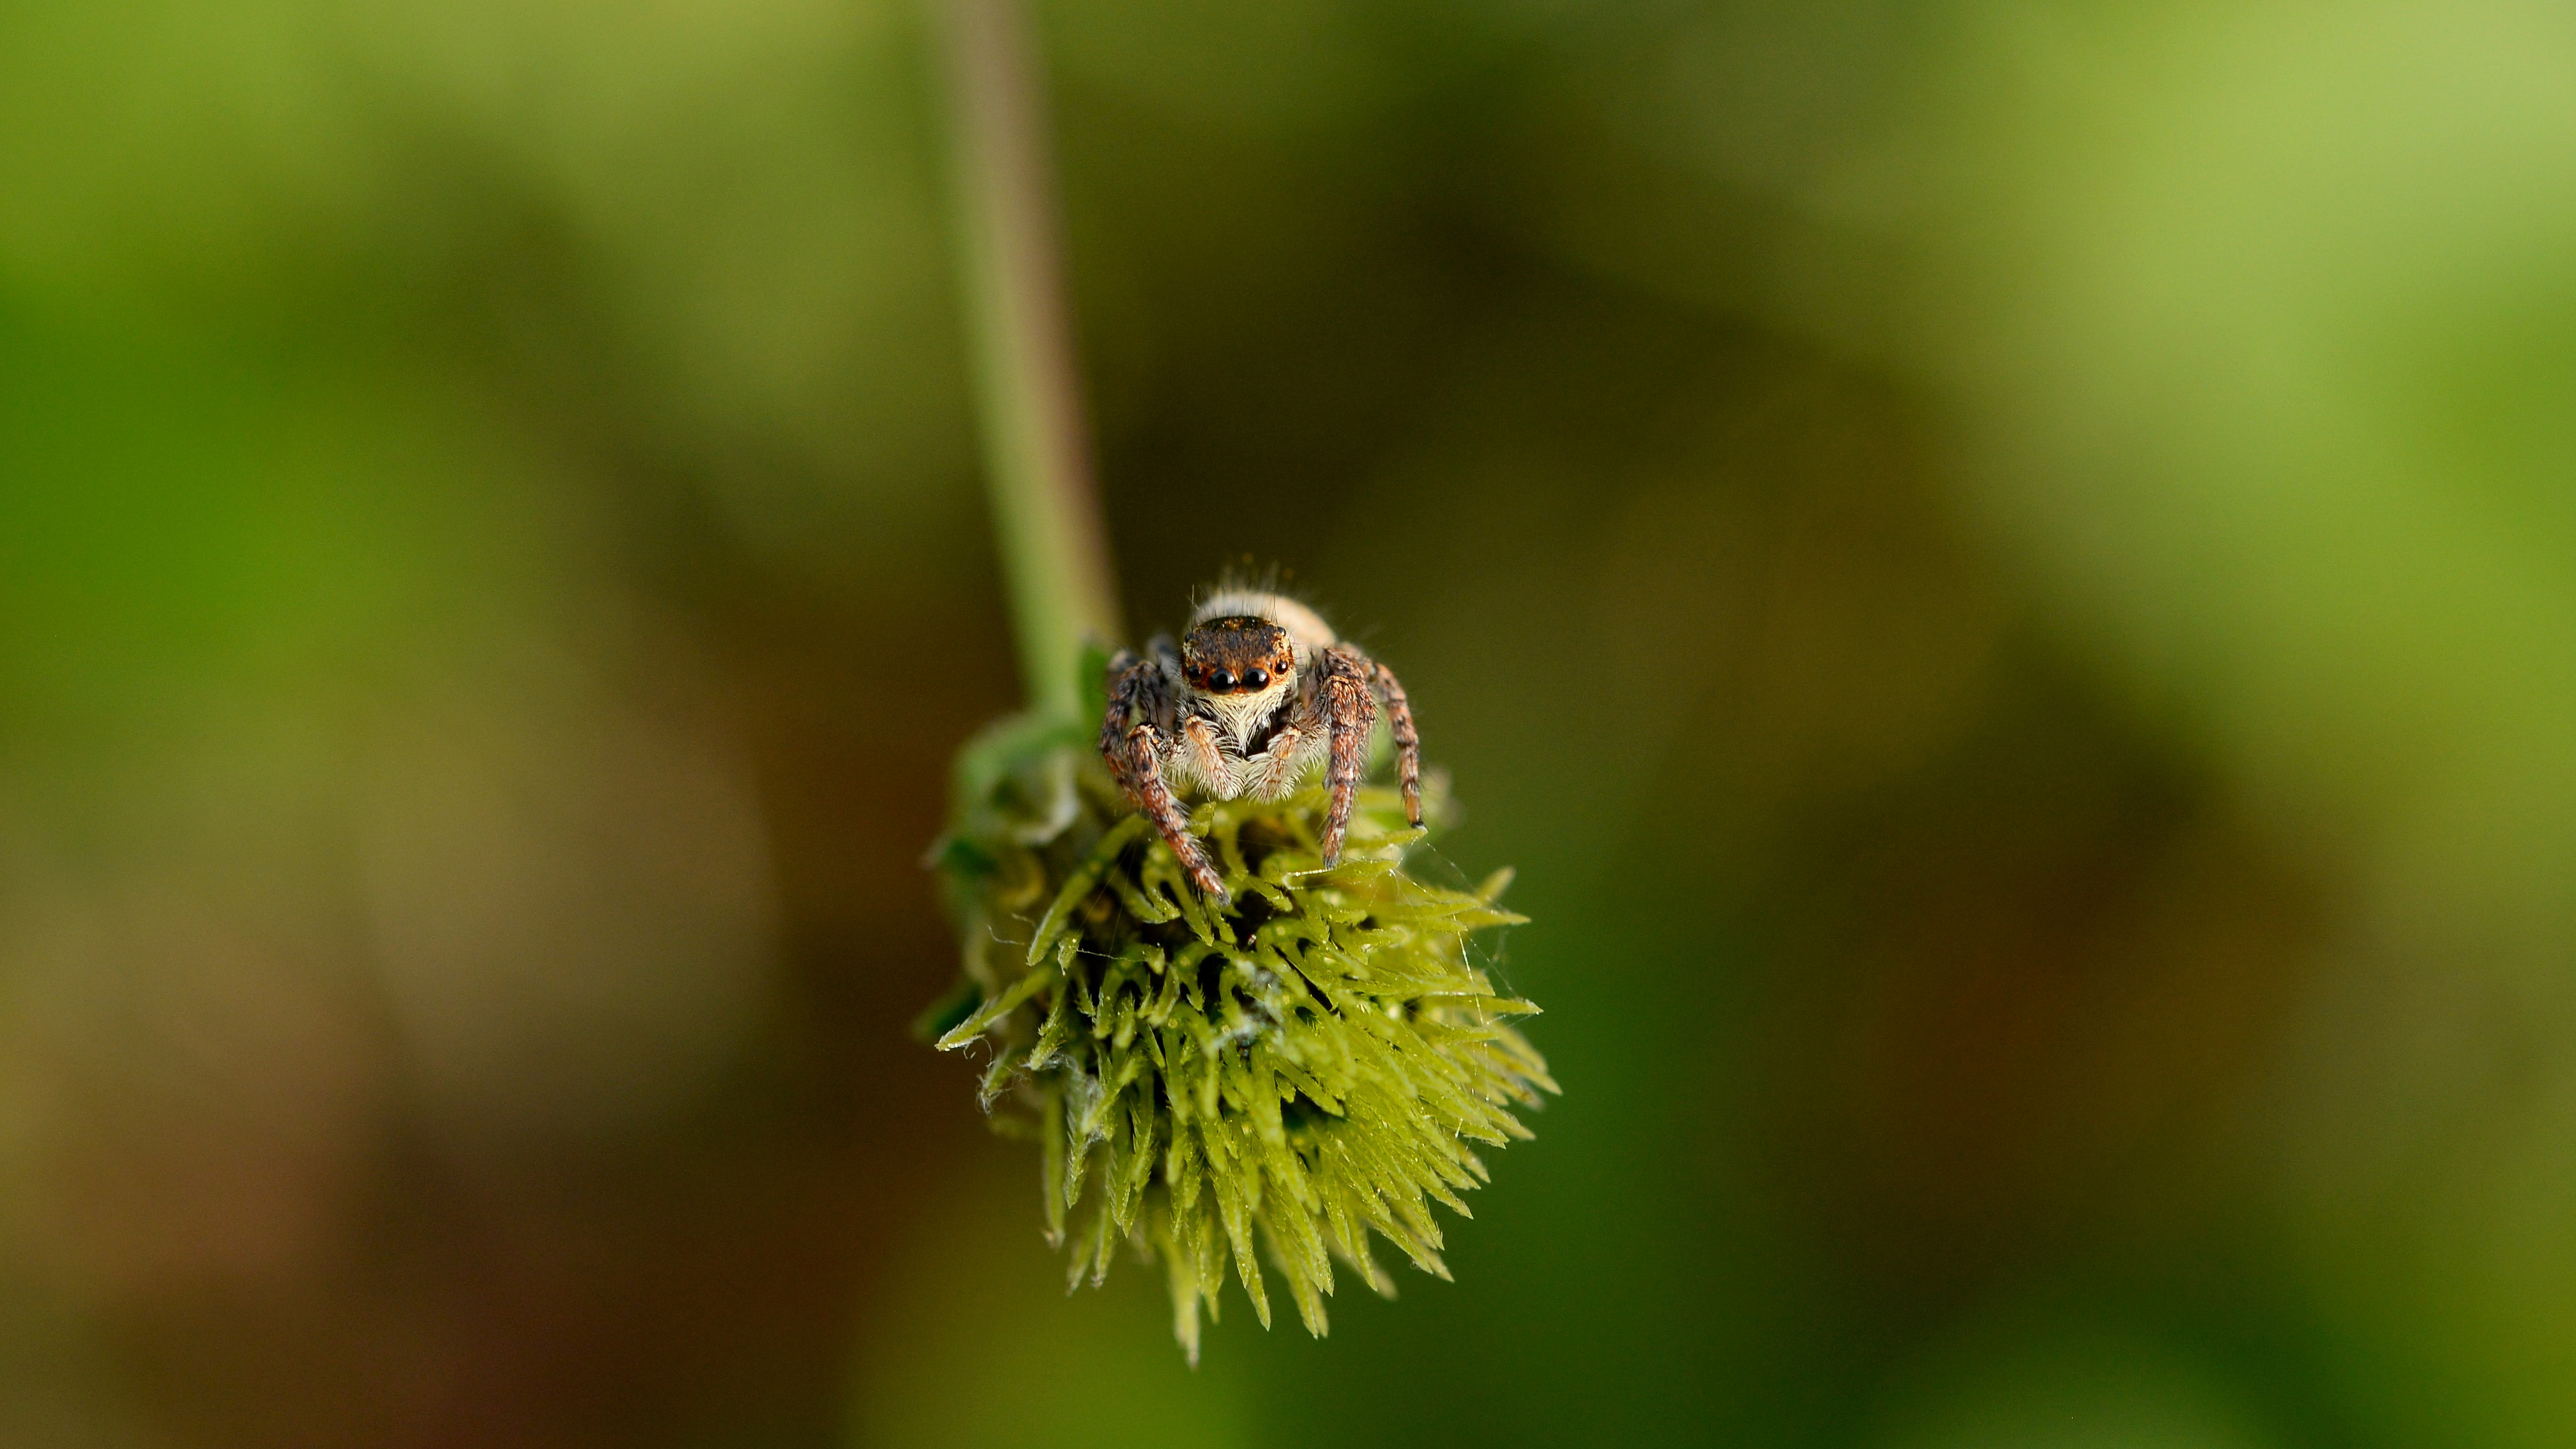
x=1303, y=624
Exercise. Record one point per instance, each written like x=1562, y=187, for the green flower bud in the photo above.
x=1305, y=1067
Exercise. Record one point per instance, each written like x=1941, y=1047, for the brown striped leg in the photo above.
x=1408, y=745
x=1155, y=798
x=1130, y=681
x=1348, y=711
x=1134, y=755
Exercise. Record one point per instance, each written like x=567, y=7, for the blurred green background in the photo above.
x=2005, y=571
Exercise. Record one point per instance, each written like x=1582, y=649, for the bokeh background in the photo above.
x=2005, y=571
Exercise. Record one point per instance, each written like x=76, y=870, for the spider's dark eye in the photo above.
x=1255, y=679
x=1220, y=680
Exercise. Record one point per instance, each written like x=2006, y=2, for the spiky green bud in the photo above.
x=1305, y=1067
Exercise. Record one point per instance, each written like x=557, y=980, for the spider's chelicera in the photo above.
x=1258, y=697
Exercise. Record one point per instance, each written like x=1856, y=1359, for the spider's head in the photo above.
x=1239, y=657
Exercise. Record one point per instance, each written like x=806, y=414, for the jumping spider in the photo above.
x=1259, y=695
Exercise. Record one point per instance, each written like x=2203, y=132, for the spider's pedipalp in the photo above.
x=1279, y=763
x=1203, y=755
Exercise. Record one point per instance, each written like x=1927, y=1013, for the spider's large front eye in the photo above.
x=1220, y=680
x=1255, y=679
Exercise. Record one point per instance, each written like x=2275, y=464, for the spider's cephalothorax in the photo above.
x=1259, y=695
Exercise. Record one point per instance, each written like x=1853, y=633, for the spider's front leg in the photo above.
x=1349, y=711
x=1135, y=757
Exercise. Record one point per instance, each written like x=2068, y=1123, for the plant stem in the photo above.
x=1037, y=464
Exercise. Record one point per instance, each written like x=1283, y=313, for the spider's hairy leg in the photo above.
x=1143, y=777
x=1134, y=755
x=1349, y=711
x=1131, y=688
x=1408, y=744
